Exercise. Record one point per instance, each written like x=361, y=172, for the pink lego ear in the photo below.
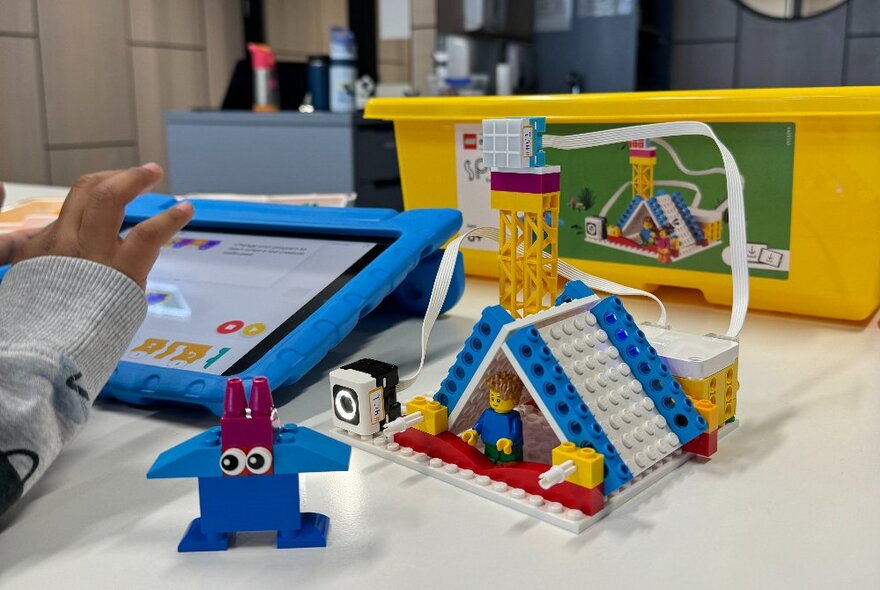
x=261, y=397
x=235, y=402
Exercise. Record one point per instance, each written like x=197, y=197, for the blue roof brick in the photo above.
x=650, y=370
x=562, y=401
x=468, y=360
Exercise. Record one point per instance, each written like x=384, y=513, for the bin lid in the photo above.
x=755, y=104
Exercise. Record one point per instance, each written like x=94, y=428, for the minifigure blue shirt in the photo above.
x=491, y=426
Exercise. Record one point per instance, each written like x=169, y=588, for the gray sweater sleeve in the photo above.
x=64, y=324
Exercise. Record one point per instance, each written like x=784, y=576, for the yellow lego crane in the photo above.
x=526, y=194
x=643, y=158
x=527, y=224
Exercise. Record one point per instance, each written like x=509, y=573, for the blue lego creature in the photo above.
x=248, y=471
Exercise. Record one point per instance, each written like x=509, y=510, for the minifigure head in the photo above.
x=246, y=429
x=664, y=232
x=504, y=392
x=648, y=223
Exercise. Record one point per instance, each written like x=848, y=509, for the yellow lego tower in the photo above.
x=527, y=225
x=642, y=158
x=526, y=195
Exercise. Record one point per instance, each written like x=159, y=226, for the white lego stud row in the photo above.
x=637, y=484
x=530, y=504
x=605, y=383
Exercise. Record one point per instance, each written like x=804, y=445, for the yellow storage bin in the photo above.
x=810, y=158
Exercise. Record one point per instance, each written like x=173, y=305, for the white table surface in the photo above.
x=16, y=192
x=790, y=499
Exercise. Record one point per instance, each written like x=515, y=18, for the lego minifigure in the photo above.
x=500, y=426
x=664, y=247
x=648, y=232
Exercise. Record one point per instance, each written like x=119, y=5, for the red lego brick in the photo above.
x=631, y=243
x=704, y=445
x=650, y=152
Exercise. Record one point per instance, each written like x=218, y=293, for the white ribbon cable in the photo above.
x=736, y=207
x=447, y=269
x=438, y=294
x=678, y=163
x=599, y=284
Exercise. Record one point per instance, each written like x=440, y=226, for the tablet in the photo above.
x=218, y=301
x=250, y=289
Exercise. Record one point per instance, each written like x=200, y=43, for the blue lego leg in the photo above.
x=312, y=533
x=195, y=539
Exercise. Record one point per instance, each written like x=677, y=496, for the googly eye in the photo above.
x=232, y=461
x=259, y=460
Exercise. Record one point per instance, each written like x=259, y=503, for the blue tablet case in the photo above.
x=417, y=235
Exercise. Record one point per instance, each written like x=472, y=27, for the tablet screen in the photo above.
x=217, y=301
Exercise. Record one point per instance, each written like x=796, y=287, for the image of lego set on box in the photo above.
x=558, y=405
x=662, y=200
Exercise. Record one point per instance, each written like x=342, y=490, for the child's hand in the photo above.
x=11, y=243
x=89, y=223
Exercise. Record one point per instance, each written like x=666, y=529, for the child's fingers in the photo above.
x=7, y=249
x=11, y=243
x=128, y=184
x=140, y=249
x=80, y=194
x=103, y=213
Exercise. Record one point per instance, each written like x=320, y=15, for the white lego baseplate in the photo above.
x=532, y=505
